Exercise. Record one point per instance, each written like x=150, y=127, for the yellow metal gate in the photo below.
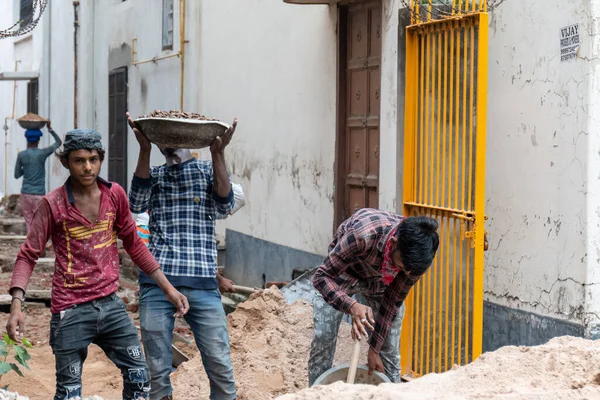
x=444, y=177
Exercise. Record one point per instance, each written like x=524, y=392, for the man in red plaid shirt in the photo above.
x=376, y=257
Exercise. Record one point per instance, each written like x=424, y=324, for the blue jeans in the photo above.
x=105, y=323
x=207, y=319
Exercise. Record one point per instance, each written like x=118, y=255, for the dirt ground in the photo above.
x=270, y=344
x=100, y=376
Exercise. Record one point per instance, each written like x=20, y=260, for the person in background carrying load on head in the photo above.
x=31, y=166
x=143, y=219
x=378, y=257
x=184, y=197
x=84, y=218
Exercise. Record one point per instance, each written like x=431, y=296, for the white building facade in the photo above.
x=320, y=133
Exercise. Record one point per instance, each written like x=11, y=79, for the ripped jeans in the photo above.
x=105, y=323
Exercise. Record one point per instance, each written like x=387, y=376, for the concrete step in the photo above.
x=12, y=238
x=7, y=263
x=13, y=225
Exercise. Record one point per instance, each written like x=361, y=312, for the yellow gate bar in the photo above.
x=482, y=86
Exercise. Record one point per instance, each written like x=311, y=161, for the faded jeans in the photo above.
x=207, y=319
x=327, y=324
x=103, y=322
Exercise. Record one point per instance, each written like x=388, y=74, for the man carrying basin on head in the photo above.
x=84, y=218
x=31, y=166
x=184, y=197
x=377, y=257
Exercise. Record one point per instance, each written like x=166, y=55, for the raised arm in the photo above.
x=57, y=142
x=139, y=195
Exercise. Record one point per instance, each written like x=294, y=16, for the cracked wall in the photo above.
x=592, y=288
x=285, y=94
x=279, y=79
x=537, y=185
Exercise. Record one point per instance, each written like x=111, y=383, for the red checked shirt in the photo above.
x=87, y=259
x=356, y=255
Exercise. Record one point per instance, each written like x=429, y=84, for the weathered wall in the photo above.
x=58, y=72
x=537, y=155
x=27, y=49
x=276, y=72
x=592, y=282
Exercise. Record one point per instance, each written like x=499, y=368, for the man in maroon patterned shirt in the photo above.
x=84, y=218
x=376, y=257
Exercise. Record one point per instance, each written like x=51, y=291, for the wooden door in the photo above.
x=359, y=103
x=117, y=127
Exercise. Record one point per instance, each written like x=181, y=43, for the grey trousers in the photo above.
x=327, y=324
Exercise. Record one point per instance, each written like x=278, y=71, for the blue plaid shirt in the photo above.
x=182, y=207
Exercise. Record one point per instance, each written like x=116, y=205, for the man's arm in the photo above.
x=32, y=249
x=57, y=142
x=224, y=204
x=18, y=167
x=336, y=263
x=37, y=237
x=222, y=191
x=127, y=232
x=222, y=184
x=391, y=302
x=139, y=253
x=139, y=195
x=238, y=201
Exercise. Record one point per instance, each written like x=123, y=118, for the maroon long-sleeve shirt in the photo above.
x=356, y=254
x=87, y=259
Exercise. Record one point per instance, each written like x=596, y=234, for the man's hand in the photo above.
x=374, y=362
x=180, y=301
x=15, y=327
x=49, y=125
x=219, y=144
x=225, y=285
x=145, y=144
x=361, y=316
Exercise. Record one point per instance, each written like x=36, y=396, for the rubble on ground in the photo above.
x=565, y=368
x=270, y=344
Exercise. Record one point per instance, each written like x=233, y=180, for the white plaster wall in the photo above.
x=6, y=96
x=592, y=287
x=105, y=44
x=28, y=50
x=389, y=167
x=150, y=86
x=59, y=100
x=276, y=72
x=279, y=79
x=537, y=171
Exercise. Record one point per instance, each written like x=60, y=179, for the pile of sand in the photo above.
x=270, y=344
x=565, y=368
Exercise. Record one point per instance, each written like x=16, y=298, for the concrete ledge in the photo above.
x=505, y=326
x=7, y=264
x=253, y=262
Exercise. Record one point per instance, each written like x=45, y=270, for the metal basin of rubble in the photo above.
x=340, y=373
x=179, y=133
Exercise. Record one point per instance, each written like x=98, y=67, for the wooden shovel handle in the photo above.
x=353, y=362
